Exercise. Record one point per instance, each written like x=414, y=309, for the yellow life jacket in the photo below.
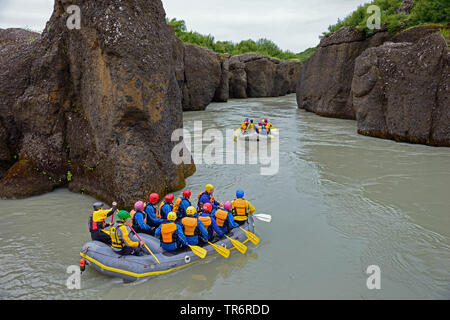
x=116, y=239
x=167, y=231
x=240, y=209
x=206, y=221
x=221, y=217
x=252, y=126
x=189, y=224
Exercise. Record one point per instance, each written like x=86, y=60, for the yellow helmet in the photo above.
x=190, y=211
x=172, y=216
x=209, y=188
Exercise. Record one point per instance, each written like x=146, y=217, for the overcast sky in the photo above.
x=293, y=24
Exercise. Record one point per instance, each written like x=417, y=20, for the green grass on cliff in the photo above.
x=262, y=46
x=423, y=12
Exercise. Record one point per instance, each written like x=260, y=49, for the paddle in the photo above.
x=199, y=251
x=251, y=236
x=242, y=248
x=221, y=250
x=263, y=217
x=144, y=242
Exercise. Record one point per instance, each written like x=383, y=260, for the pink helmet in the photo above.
x=139, y=206
x=227, y=205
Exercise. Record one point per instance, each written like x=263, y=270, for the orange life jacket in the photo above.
x=189, y=225
x=206, y=221
x=133, y=213
x=167, y=231
x=158, y=212
x=221, y=217
x=240, y=207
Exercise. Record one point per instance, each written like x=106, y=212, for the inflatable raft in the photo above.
x=253, y=136
x=131, y=268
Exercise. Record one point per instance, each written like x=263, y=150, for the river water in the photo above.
x=340, y=202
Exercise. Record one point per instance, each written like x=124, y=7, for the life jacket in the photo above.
x=206, y=220
x=189, y=226
x=240, y=207
x=252, y=126
x=176, y=206
x=116, y=239
x=94, y=226
x=133, y=214
x=200, y=204
x=221, y=217
x=154, y=207
x=168, y=232
x=158, y=212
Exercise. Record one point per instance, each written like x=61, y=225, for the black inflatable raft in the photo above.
x=131, y=268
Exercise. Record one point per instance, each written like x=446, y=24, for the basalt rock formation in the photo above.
x=401, y=91
x=348, y=77
x=254, y=75
x=205, y=76
x=92, y=108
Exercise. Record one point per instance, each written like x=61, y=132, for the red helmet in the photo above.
x=265, y=120
x=207, y=207
x=186, y=194
x=153, y=198
x=169, y=198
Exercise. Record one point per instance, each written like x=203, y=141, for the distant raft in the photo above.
x=131, y=268
x=253, y=136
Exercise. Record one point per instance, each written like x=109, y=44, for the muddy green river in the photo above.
x=340, y=202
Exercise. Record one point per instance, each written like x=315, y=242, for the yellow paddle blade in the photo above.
x=242, y=248
x=251, y=236
x=199, y=251
x=221, y=250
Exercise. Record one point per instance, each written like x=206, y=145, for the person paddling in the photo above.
x=224, y=218
x=193, y=228
x=120, y=240
x=171, y=234
x=241, y=208
x=166, y=206
x=97, y=222
x=181, y=204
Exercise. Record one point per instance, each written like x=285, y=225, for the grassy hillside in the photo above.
x=263, y=46
x=423, y=12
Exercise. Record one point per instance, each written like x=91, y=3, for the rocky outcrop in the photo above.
x=254, y=75
x=201, y=78
x=204, y=76
x=398, y=90
x=92, y=108
x=324, y=85
x=401, y=91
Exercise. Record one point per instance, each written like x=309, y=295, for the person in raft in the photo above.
x=97, y=222
x=181, y=204
x=170, y=234
x=224, y=218
x=241, y=208
x=140, y=219
x=166, y=206
x=193, y=228
x=152, y=213
x=209, y=222
x=252, y=127
x=244, y=125
x=207, y=196
x=120, y=240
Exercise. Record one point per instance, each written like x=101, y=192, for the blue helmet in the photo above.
x=239, y=194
